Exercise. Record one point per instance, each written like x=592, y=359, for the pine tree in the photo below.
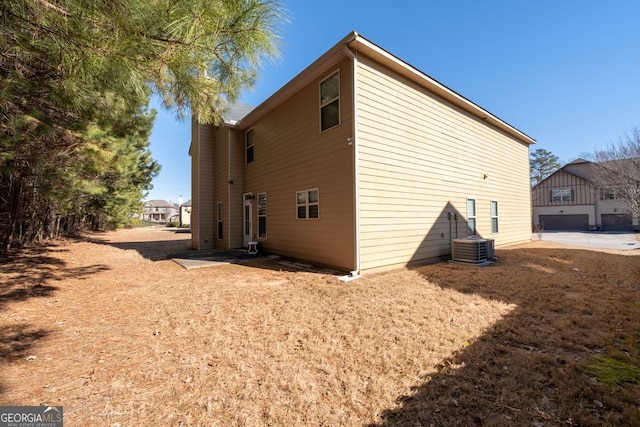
x=75, y=77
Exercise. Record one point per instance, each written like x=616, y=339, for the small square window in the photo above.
x=308, y=204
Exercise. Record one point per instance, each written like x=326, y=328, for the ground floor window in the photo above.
x=262, y=215
x=494, y=216
x=220, y=223
x=471, y=217
x=308, y=204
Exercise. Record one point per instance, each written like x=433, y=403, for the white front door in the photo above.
x=247, y=230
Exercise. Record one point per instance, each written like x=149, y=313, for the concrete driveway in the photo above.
x=604, y=240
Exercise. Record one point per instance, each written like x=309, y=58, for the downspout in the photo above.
x=353, y=141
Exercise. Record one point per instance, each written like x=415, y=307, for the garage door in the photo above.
x=565, y=222
x=616, y=222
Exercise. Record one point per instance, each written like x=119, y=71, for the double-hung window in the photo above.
x=330, y=102
x=308, y=204
x=262, y=215
x=608, y=193
x=220, y=223
x=471, y=217
x=249, y=146
x=494, y=216
x=562, y=195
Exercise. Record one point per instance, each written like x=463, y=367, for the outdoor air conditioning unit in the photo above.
x=472, y=250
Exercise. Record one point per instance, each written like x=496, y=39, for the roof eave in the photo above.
x=358, y=43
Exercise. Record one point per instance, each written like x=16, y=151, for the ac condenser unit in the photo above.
x=472, y=250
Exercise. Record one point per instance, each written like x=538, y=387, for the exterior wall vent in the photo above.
x=473, y=250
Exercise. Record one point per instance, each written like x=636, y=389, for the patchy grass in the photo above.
x=612, y=371
x=118, y=336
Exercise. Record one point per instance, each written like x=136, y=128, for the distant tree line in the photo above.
x=76, y=77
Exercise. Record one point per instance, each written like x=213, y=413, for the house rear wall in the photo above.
x=291, y=154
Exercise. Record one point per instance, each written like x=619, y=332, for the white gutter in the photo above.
x=353, y=142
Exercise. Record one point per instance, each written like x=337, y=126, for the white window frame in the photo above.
x=608, y=191
x=262, y=213
x=307, y=204
x=558, y=195
x=329, y=101
x=495, y=216
x=472, y=217
x=220, y=221
x=247, y=146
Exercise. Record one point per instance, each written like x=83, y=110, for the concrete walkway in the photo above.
x=592, y=239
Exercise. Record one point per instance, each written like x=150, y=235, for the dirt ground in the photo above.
x=118, y=335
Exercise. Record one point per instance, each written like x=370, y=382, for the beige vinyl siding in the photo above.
x=236, y=164
x=203, y=205
x=221, y=183
x=583, y=191
x=291, y=155
x=420, y=158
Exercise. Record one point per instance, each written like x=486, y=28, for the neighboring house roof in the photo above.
x=578, y=172
x=159, y=203
x=581, y=168
x=187, y=203
x=577, y=161
x=353, y=44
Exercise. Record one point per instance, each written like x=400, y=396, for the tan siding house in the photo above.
x=362, y=162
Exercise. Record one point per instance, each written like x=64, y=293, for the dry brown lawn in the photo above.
x=120, y=336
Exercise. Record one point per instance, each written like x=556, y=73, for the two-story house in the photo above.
x=571, y=200
x=158, y=211
x=361, y=162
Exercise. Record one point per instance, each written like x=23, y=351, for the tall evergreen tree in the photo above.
x=75, y=77
x=542, y=163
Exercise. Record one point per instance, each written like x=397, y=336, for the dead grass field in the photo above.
x=120, y=337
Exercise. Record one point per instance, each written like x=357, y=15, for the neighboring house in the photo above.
x=360, y=162
x=570, y=200
x=158, y=211
x=185, y=213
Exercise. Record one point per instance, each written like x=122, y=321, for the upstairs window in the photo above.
x=562, y=195
x=608, y=193
x=308, y=204
x=330, y=102
x=249, y=146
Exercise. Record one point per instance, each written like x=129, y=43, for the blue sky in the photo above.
x=566, y=73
